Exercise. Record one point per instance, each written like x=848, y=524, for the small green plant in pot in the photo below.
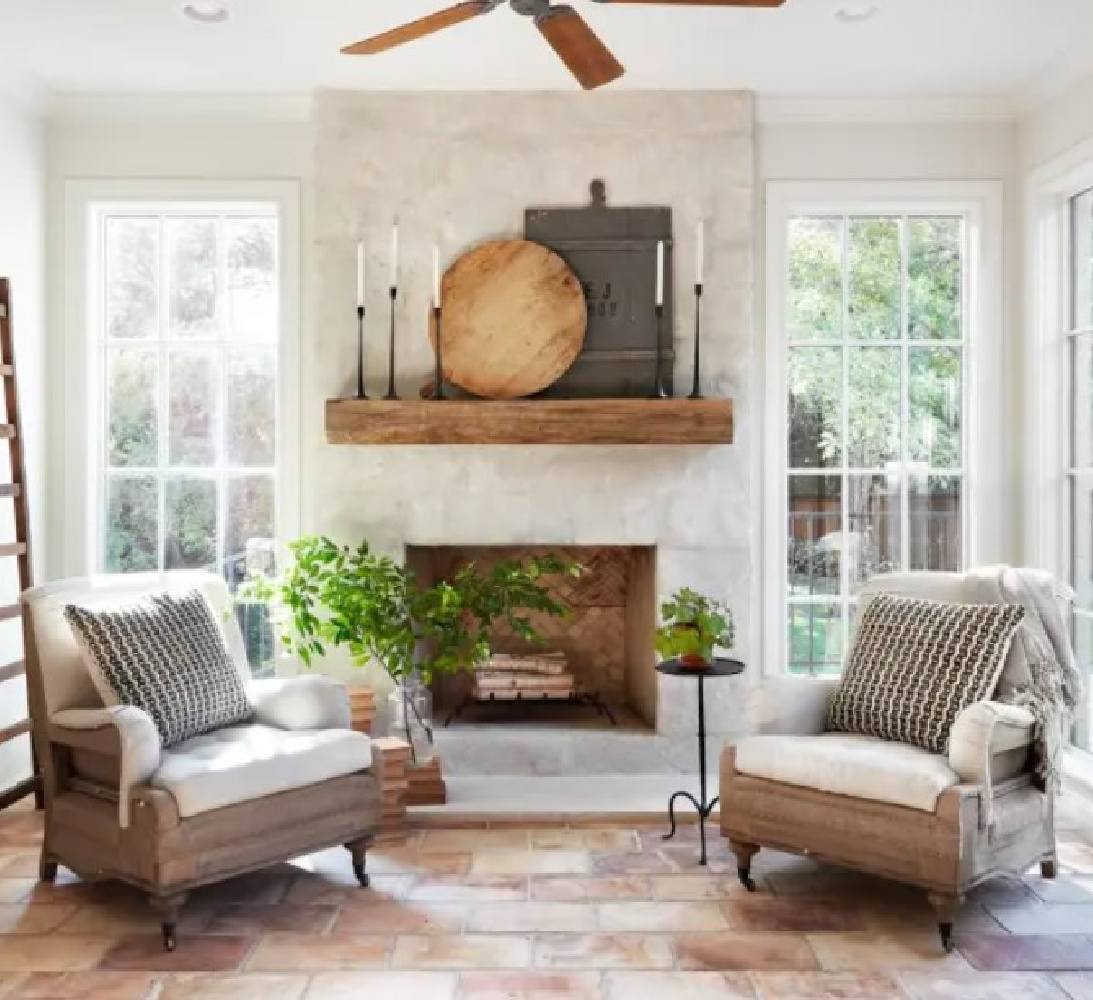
x=693, y=627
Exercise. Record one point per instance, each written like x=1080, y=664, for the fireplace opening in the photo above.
x=595, y=668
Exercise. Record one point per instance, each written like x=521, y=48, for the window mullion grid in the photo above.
x=163, y=384
x=844, y=493
x=904, y=397
x=222, y=401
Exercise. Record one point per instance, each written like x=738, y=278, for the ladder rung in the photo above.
x=8, y=549
x=10, y=670
x=11, y=732
x=9, y=612
x=7, y=430
x=7, y=371
x=11, y=490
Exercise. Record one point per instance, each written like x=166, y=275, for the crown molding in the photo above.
x=174, y=107
x=852, y=110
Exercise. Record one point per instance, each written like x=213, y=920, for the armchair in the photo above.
x=942, y=822
x=167, y=820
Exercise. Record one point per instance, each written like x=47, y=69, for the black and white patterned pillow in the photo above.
x=164, y=653
x=915, y=665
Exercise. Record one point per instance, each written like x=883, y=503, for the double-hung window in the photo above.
x=181, y=391
x=871, y=320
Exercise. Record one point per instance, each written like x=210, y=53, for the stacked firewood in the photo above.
x=508, y=677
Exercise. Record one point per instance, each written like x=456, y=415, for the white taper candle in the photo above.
x=700, y=254
x=360, y=274
x=660, y=272
x=394, y=256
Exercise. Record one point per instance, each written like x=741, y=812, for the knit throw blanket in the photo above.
x=1053, y=690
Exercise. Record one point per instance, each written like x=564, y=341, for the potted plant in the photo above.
x=335, y=595
x=693, y=627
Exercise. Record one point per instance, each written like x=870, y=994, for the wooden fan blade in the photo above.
x=427, y=25
x=579, y=47
x=704, y=3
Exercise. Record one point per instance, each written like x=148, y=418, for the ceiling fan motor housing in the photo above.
x=530, y=8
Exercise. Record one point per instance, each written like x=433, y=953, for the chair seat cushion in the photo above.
x=241, y=763
x=862, y=767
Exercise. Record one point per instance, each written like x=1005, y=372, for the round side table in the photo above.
x=718, y=668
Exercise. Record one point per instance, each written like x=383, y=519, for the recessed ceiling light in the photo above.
x=206, y=11
x=855, y=11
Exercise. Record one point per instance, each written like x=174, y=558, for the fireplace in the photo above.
x=607, y=640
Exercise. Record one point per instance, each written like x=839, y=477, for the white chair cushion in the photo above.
x=241, y=763
x=861, y=767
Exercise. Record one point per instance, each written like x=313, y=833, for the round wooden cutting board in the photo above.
x=514, y=319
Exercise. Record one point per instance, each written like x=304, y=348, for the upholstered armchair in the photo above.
x=945, y=822
x=119, y=805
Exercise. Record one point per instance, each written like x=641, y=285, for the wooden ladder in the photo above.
x=19, y=549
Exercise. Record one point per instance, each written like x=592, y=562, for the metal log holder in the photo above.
x=361, y=394
x=696, y=391
x=590, y=698
x=391, y=394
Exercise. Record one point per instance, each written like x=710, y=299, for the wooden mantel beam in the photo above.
x=541, y=421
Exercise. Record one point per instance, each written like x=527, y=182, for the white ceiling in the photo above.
x=911, y=49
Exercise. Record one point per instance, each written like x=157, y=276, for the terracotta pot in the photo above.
x=693, y=661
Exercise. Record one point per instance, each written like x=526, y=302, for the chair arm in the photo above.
x=309, y=701
x=984, y=730
x=791, y=706
x=138, y=742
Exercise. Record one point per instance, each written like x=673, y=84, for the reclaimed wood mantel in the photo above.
x=523, y=421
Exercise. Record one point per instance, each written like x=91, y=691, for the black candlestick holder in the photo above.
x=361, y=394
x=696, y=391
x=391, y=394
x=658, y=384
x=439, y=353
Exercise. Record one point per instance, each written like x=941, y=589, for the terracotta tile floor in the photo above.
x=544, y=913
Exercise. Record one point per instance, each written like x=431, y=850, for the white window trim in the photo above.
x=77, y=412
x=1047, y=388
x=981, y=204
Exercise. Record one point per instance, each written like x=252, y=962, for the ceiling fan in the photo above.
x=575, y=43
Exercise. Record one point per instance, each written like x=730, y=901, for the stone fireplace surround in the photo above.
x=461, y=168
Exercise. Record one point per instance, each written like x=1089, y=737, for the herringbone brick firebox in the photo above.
x=607, y=638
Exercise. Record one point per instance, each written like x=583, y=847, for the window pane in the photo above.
x=935, y=522
x=1083, y=650
x=132, y=514
x=1083, y=261
x=875, y=279
x=814, y=301
x=191, y=262
x=874, y=418
x=251, y=516
x=873, y=541
x=935, y=279
x=1081, y=538
x=252, y=285
x=133, y=431
x=815, y=638
x=935, y=403
x=190, y=540
x=815, y=519
x=252, y=404
x=815, y=407
x=192, y=403
x=132, y=271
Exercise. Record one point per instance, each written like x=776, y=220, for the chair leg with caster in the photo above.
x=168, y=908
x=359, y=851
x=744, y=853
x=945, y=906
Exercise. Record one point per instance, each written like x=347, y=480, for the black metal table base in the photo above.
x=719, y=668
x=704, y=810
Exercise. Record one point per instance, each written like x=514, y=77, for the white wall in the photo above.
x=22, y=167
x=1057, y=125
